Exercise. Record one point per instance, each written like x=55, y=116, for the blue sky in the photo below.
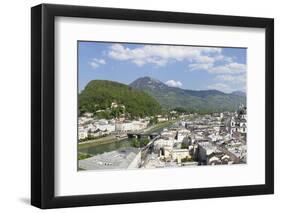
x=187, y=67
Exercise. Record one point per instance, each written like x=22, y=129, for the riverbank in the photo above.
x=159, y=126
x=112, y=138
x=104, y=140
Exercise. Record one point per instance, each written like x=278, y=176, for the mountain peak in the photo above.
x=148, y=79
x=192, y=100
x=147, y=82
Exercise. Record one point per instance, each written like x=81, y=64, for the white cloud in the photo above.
x=206, y=59
x=94, y=65
x=198, y=66
x=101, y=61
x=231, y=68
x=160, y=55
x=228, y=68
x=234, y=79
x=223, y=58
x=95, y=62
x=173, y=83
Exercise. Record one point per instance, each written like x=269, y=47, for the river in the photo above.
x=95, y=149
x=108, y=147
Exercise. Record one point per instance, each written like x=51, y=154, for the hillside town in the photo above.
x=189, y=140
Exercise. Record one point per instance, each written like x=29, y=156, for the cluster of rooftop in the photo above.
x=212, y=139
x=193, y=140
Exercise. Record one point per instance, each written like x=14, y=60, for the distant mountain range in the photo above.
x=239, y=93
x=147, y=96
x=190, y=100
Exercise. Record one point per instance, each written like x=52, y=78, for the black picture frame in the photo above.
x=43, y=102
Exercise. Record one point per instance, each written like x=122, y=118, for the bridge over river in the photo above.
x=140, y=135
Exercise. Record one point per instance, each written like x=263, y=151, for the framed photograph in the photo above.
x=140, y=106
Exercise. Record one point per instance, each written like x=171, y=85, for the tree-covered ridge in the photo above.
x=99, y=95
x=203, y=101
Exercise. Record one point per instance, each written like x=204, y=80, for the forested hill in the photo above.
x=100, y=94
x=190, y=100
